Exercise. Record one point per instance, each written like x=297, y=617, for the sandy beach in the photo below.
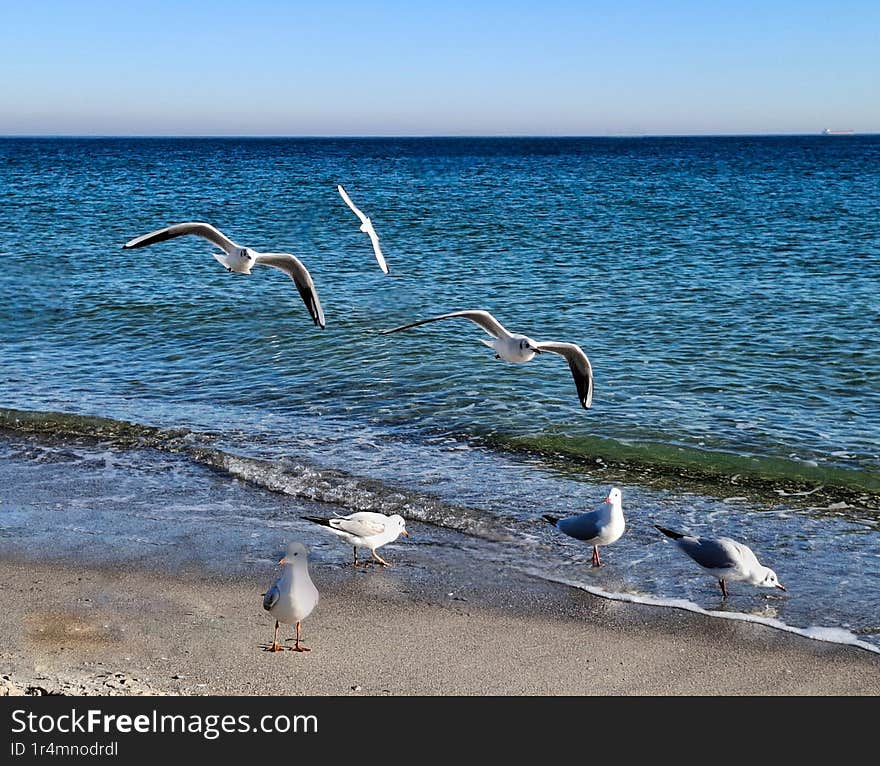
x=409, y=630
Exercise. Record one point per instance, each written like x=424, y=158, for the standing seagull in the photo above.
x=603, y=526
x=293, y=596
x=516, y=348
x=366, y=228
x=365, y=529
x=241, y=259
x=725, y=559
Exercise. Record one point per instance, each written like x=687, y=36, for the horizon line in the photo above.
x=353, y=136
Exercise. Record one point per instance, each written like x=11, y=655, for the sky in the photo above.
x=485, y=67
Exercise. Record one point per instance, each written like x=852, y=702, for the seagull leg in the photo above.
x=597, y=561
x=275, y=647
x=723, y=587
x=297, y=647
x=380, y=559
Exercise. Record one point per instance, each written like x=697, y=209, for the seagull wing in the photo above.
x=358, y=527
x=483, y=318
x=374, y=238
x=709, y=553
x=272, y=596
x=586, y=526
x=204, y=230
x=351, y=204
x=293, y=267
x=579, y=364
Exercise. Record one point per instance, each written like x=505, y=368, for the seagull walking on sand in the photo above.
x=365, y=529
x=603, y=526
x=293, y=595
x=366, y=228
x=516, y=348
x=240, y=260
x=725, y=559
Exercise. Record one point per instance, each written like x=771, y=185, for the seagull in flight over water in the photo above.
x=366, y=228
x=725, y=559
x=240, y=260
x=516, y=348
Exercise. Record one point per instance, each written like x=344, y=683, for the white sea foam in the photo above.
x=815, y=632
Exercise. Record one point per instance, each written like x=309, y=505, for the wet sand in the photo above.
x=459, y=628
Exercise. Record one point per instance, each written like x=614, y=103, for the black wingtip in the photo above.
x=670, y=533
x=317, y=520
x=554, y=520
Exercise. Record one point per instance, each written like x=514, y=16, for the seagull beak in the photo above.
x=607, y=499
x=405, y=533
x=535, y=350
x=780, y=586
x=283, y=561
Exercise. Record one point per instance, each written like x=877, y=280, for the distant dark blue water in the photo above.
x=726, y=290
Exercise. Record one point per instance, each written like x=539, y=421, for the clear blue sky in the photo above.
x=389, y=67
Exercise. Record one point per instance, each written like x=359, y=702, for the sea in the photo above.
x=725, y=289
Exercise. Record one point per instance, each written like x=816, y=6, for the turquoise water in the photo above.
x=726, y=290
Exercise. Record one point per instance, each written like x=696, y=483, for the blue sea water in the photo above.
x=726, y=290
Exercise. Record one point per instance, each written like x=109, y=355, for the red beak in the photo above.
x=405, y=533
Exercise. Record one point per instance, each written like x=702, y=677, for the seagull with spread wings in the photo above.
x=240, y=260
x=516, y=348
x=366, y=228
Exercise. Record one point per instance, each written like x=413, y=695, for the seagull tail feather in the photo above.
x=554, y=520
x=670, y=533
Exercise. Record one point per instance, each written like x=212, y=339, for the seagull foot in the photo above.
x=274, y=648
x=299, y=648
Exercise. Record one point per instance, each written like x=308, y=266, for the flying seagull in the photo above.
x=516, y=348
x=366, y=228
x=241, y=259
x=603, y=526
x=365, y=529
x=293, y=596
x=725, y=559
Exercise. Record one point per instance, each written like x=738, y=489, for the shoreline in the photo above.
x=463, y=629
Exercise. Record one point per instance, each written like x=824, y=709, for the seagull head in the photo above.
x=295, y=552
x=400, y=522
x=615, y=496
x=770, y=580
x=528, y=347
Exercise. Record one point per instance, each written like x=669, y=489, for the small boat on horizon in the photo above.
x=829, y=132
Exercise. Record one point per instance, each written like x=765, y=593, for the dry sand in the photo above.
x=412, y=629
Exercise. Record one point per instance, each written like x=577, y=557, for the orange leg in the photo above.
x=297, y=647
x=275, y=647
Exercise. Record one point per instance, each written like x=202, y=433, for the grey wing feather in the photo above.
x=358, y=527
x=708, y=553
x=271, y=597
x=199, y=229
x=587, y=526
x=579, y=364
x=483, y=318
x=294, y=268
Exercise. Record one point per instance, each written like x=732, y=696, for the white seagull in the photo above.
x=516, y=348
x=603, y=526
x=240, y=260
x=366, y=228
x=365, y=529
x=293, y=596
x=725, y=559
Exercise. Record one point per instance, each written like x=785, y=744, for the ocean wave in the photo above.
x=292, y=476
x=652, y=462
x=816, y=632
